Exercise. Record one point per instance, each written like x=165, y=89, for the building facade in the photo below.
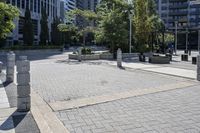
x=85, y=5
x=52, y=9
x=68, y=6
x=183, y=15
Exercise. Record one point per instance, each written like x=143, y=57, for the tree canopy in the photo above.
x=7, y=14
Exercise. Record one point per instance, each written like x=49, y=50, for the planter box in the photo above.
x=106, y=56
x=129, y=55
x=159, y=59
x=194, y=60
x=90, y=57
x=85, y=57
x=73, y=56
x=184, y=57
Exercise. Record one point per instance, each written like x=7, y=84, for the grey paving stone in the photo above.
x=165, y=112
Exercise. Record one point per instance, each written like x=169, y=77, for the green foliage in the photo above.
x=28, y=35
x=34, y=47
x=169, y=38
x=112, y=24
x=146, y=22
x=44, y=34
x=7, y=14
x=86, y=51
x=70, y=33
x=56, y=35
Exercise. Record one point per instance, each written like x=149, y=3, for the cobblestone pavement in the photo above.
x=56, y=80
x=176, y=111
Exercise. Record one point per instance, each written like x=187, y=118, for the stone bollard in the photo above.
x=1, y=66
x=79, y=54
x=23, y=85
x=10, y=68
x=119, y=58
x=198, y=67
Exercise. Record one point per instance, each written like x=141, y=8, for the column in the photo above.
x=23, y=85
x=10, y=69
x=79, y=54
x=119, y=58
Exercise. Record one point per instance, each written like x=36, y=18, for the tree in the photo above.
x=142, y=24
x=7, y=14
x=113, y=24
x=44, y=34
x=56, y=35
x=28, y=35
x=69, y=32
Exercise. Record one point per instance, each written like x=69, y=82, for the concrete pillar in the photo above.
x=23, y=85
x=79, y=54
x=198, y=67
x=119, y=58
x=10, y=68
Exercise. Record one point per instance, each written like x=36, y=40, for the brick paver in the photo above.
x=57, y=80
x=166, y=112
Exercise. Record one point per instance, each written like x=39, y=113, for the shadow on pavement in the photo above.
x=12, y=121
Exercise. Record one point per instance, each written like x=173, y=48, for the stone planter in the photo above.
x=142, y=58
x=106, y=56
x=73, y=56
x=85, y=57
x=194, y=60
x=184, y=57
x=90, y=57
x=159, y=59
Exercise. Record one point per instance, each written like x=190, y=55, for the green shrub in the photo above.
x=34, y=47
x=86, y=51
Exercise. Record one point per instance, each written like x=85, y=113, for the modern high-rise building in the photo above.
x=68, y=6
x=52, y=9
x=183, y=15
x=85, y=5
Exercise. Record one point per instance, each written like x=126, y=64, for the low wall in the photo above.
x=85, y=57
x=129, y=55
x=103, y=56
x=90, y=57
x=106, y=56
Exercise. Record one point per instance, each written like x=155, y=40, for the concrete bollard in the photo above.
x=79, y=54
x=10, y=68
x=198, y=67
x=119, y=58
x=23, y=85
x=1, y=66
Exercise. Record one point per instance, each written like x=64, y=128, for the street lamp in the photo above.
x=186, y=43
x=199, y=41
x=176, y=37
x=130, y=3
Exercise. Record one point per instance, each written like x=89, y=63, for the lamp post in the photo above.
x=130, y=3
x=199, y=41
x=186, y=43
x=176, y=37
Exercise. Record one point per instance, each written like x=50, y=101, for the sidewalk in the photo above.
x=12, y=121
x=180, y=72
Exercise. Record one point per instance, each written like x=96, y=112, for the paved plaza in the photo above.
x=96, y=96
